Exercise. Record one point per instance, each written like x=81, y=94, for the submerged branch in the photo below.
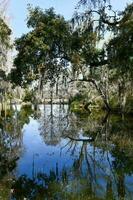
x=81, y=140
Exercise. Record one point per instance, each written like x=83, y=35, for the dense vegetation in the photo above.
x=94, y=49
x=93, y=53
x=5, y=46
x=5, y=33
x=89, y=60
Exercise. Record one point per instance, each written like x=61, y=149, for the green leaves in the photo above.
x=5, y=33
x=120, y=48
x=42, y=50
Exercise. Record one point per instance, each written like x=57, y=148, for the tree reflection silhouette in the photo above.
x=10, y=145
x=100, y=156
x=99, y=150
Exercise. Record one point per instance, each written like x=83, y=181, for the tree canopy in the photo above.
x=120, y=48
x=43, y=51
x=93, y=43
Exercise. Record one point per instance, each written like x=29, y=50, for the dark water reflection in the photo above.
x=51, y=153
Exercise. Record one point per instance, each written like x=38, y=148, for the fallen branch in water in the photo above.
x=81, y=140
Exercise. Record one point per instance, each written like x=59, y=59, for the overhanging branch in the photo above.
x=93, y=81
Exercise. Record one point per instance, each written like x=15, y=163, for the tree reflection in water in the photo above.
x=11, y=126
x=99, y=148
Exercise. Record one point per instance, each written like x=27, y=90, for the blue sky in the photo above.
x=18, y=10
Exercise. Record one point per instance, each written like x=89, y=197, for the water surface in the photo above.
x=52, y=153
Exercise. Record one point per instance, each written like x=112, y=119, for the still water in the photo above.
x=50, y=153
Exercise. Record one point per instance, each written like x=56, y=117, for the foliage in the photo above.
x=50, y=188
x=120, y=48
x=42, y=51
x=5, y=33
x=27, y=96
x=25, y=114
x=77, y=97
x=54, y=48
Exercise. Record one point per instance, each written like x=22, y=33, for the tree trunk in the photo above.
x=104, y=98
x=91, y=80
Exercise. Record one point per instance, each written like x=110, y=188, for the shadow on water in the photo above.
x=51, y=153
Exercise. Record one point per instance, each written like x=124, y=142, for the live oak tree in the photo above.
x=120, y=47
x=54, y=47
x=115, y=55
x=120, y=55
x=42, y=52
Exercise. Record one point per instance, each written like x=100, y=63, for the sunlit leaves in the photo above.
x=42, y=51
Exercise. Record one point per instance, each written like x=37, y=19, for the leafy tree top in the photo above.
x=42, y=51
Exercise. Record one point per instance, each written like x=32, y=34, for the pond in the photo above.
x=50, y=153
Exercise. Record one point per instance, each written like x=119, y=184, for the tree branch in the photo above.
x=93, y=81
x=81, y=140
x=101, y=16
